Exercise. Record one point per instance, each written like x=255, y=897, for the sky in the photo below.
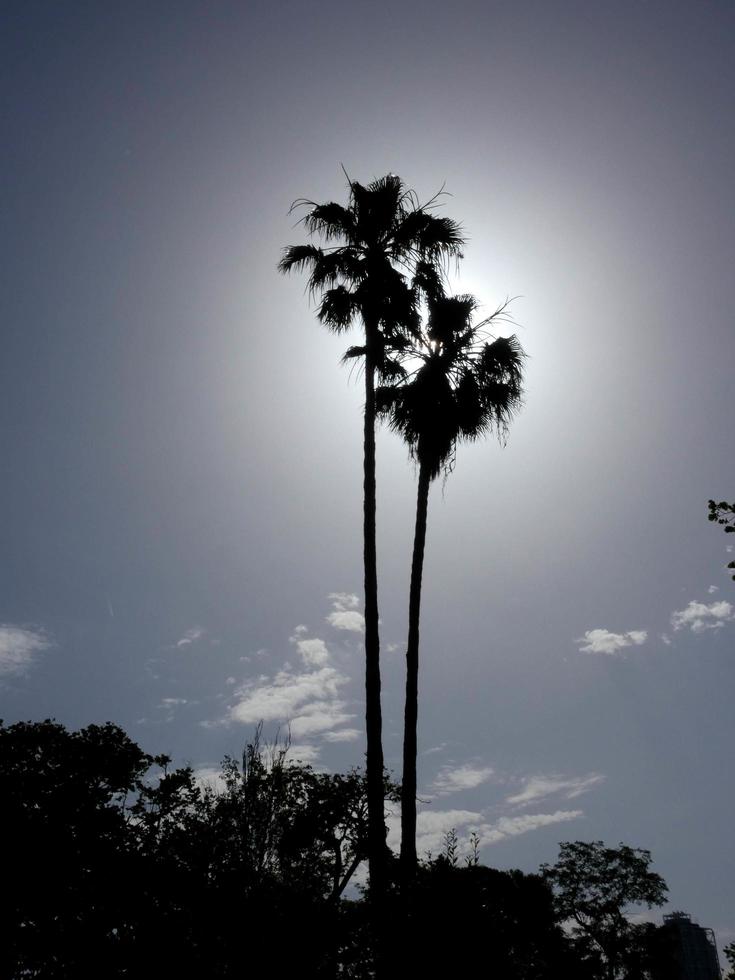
x=181, y=491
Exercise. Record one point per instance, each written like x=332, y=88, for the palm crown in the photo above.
x=464, y=387
x=382, y=233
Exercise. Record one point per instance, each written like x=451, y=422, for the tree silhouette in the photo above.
x=360, y=274
x=464, y=387
x=121, y=866
x=730, y=955
x=593, y=886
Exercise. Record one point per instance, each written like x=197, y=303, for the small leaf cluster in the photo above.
x=723, y=513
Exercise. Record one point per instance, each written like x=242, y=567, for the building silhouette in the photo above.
x=694, y=948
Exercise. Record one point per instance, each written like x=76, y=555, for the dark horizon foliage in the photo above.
x=123, y=867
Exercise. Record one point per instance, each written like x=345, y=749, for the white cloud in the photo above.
x=666, y=639
x=173, y=702
x=698, y=616
x=306, y=696
x=603, y=641
x=279, y=697
x=318, y=717
x=453, y=779
x=344, y=600
x=713, y=588
x=539, y=787
x=18, y=648
x=210, y=777
x=524, y=823
x=302, y=753
x=347, y=619
x=345, y=613
x=313, y=652
x=191, y=636
x=343, y=735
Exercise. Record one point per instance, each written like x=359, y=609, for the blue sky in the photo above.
x=182, y=479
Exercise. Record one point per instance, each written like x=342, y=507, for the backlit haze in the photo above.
x=181, y=491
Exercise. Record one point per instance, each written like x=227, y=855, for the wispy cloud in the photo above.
x=540, y=787
x=698, y=616
x=169, y=706
x=345, y=613
x=191, y=636
x=344, y=600
x=433, y=825
x=19, y=646
x=713, y=588
x=525, y=823
x=603, y=641
x=453, y=779
x=343, y=735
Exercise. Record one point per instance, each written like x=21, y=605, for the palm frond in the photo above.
x=340, y=264
x=503, y=360
x=449, y=317
x=352, y=352
x=428, y=280
x=331, y=221
x=391, y=370
x=377, y=209
x=424, y=235
x=385, y=398
x=299, y=257
x=338, y=308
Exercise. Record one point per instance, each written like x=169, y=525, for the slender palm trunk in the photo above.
x=373, y=715
x=408, y=788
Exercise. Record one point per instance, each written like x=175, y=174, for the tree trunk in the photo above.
x=373, y=715
x=410, y=738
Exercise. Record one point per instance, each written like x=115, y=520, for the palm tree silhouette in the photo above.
x=370, y=246
x=464, y=387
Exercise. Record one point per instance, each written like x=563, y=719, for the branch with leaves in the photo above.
x=723, y=513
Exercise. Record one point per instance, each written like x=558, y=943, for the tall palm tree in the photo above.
x=369, y=247
x=464, y=387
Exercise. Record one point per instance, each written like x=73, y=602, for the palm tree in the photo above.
x=464, y=387
x=360, y=275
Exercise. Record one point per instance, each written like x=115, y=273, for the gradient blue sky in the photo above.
x=181, y=487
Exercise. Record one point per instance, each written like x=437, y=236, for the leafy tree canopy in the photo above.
x=594, y=886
